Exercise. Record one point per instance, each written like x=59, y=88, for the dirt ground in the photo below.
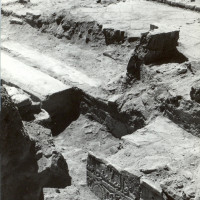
x=74, y=143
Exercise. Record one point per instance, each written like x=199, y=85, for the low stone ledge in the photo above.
x=179, y=5
x=107, y=181
x=153, y=162
x=55, y=96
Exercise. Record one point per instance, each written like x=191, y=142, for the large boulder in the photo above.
x=28, y=163
x=155, y=45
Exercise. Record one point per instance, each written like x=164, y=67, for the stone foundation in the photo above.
x=108, y=182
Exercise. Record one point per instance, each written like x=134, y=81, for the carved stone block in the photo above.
x=109, y=183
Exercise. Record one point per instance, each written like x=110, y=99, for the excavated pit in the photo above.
x=107, y=94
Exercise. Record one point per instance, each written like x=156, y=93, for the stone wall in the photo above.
x=107, y=182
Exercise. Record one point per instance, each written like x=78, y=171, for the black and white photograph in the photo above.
x=100, y=100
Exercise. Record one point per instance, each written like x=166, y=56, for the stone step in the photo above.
x=65, y=72
x=55, y=96
x=160, y=160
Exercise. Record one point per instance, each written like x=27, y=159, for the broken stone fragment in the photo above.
x=114, y=149
x=20, y=99
x=113, y=36
x=182, y=69
x=24, y=1
x=189, y=192
x=36, y=107
x=16, y=21
x=22, y=102
x=35, y=13
x=156, y=45
x=32, y=16
x=43, y=118
x=12, y=90
x=195, y=93
x=19, y=13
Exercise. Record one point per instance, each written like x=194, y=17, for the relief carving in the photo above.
x=107, y=183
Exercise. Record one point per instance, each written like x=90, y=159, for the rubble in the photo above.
x=20, y=99
x=43, y=118
x=21, y=173
x=155, y=45
x=16, y=21
x=183, y=112
x=195, y=93
x=65, y=70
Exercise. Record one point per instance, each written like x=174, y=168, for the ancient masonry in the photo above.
x=100, y=100
x=108, y=183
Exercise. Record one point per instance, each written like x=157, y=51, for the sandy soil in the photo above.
x=74, y=143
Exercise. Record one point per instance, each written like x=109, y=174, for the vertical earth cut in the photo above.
x=27, y=164
x=155, y=45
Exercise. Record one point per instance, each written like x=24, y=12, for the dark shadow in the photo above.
x=176, y=57
x=135, y=62
x=62, y=120
x=69, y=113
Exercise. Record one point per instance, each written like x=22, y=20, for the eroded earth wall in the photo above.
x=27, y=165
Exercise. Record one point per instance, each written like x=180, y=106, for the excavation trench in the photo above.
x=93, y=124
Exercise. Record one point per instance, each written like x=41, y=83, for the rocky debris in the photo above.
x=111, y=114
x=16, y=21
x=122, y=115
x=112, y=54
x=25, y=166
x=195, y=92
x=64, y=25
x=114, y=36
x=23, y=102
x=21, y=99
x=28, y=109
x=17, y=150
x=24, y=1
x=108, y=2
x=183, y=112
x=35, y=107
x=52, y=167
x=90, y=31
x=43, y=118
x=32, y=15
x=155, y=45
x=182, y=69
